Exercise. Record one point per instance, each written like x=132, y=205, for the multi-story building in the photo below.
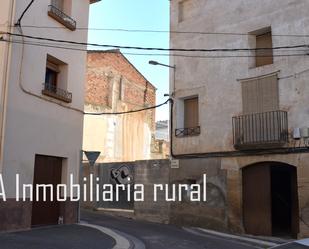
x=42, y=101
x=241, y=116
x=115, y=85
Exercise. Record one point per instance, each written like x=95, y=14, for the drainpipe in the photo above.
x=6, y=75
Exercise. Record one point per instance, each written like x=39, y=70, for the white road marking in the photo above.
x=121, y=242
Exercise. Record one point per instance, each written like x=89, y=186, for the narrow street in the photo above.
x=159, y=236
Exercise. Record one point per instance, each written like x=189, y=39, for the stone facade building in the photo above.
x=115, y=85
x=41, y=117
x=242, y=116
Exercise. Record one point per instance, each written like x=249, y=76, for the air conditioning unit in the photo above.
x=296, y=134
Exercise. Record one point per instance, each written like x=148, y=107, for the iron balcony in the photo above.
x=61, y=17
x=260, y=130
x=57, y=93
x=186, y=132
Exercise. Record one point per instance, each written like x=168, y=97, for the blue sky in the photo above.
x=142, y=15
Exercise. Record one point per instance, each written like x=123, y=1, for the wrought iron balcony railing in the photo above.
x=260, y=130
x=186, y=132
x=61, y=17
x=57, y=93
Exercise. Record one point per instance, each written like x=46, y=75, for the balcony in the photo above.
x=186, y=132
x=61, y=17
x=57, y=93
x=260, y=130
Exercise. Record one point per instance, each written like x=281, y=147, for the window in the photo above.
x=51, y=75
x=260, y=95
x=262, y=124
x=264, y=56
x=184, y=10
x=63, y=5
x=58, y=4
x=55, y=84
x=190, y=118
x=60, y=10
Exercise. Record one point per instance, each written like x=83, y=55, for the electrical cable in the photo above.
x=152, y=54
x=69, y=107
x=163, y=31
x=128, y=112
x=18, y=23
x=154, y=48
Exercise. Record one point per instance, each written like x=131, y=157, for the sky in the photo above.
x=141, y=15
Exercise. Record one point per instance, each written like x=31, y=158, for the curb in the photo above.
x=121, y=241
x=251, y=241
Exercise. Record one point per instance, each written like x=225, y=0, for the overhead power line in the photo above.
x=50, y=45
x=153, y=48
x=128, y=112
x=162, y=31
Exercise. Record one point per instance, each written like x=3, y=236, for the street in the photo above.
x=159, y=236
x=57, y=237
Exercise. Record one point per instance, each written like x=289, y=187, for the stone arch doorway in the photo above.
x=270, y=199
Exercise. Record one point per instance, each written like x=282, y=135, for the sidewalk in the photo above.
x=257, y=241
x=57, y=237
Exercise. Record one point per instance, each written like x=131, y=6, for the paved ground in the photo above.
x=58, y=237
x=144, y=235
x=158, y=236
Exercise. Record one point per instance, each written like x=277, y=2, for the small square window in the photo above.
x=56, y=80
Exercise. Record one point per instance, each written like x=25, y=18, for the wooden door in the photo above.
x=47, y=170
x=257, y=200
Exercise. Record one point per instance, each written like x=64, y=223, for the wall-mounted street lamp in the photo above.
x=155, y=63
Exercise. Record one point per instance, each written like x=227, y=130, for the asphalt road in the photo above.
x=57, y=237
x=159, y=236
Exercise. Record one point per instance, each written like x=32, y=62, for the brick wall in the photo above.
x=103, y=66
x=110, y=73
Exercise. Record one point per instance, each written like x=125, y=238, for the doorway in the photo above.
x=47, y=170
x=270, y=200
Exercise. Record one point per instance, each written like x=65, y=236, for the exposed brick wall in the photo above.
x=105, y=71
x=102, y=66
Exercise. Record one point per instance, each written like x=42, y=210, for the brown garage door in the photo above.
x=47, y=170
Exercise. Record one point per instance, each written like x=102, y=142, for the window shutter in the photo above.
x=260, y=95
x=191, y=115
x=268, y=94
x=264, y=57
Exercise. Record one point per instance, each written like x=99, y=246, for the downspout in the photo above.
x=7, y=64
